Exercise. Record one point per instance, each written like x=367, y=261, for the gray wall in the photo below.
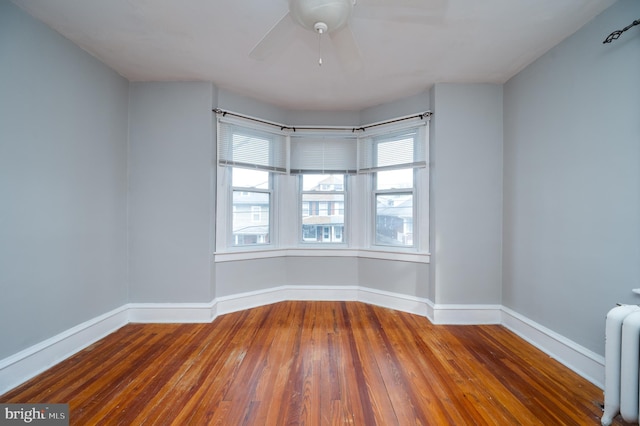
x=407, y=278
x=261, y=274
x=236, y=103
x=410, y=105
x=572, y=180
x=63, y=135
x=250, y=275
x=466, y=194
x=171, y=164
x=400, y=277
x=230, y=101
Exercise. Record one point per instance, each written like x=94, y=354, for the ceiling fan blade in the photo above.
x=404, y=16
x=346, y=49
x=405, y=3
x=403, y=11
x=276, y=38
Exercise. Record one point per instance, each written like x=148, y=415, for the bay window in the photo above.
x=358, y=191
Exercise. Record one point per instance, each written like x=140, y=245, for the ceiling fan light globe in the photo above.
x=334, y=13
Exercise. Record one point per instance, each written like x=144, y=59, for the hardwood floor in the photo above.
x=315, y=363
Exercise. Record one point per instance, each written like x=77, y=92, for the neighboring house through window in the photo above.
x=323, y=201
x=251, y=197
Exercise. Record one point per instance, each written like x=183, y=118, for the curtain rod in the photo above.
x=426, y=114
x=616, y=34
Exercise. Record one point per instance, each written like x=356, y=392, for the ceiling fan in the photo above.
x=332, y=17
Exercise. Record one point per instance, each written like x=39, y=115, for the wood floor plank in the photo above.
x=418, y=371
x=199, y=358
x=315, y=363
x=203, y=407
x=275, y=372
x=401, y=394
x=351, y=390
x=374, y=397
x=434, y=344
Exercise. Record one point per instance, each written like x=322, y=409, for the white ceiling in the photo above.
x=404, y=51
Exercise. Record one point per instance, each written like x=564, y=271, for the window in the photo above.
x=322, y=208
x=364, y=191
x=248, y=159
x=251, y=206
x=394, y=210
x=393, y=161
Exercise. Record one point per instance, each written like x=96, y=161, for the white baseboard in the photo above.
x=320, y=293
x=239, y=302
x=399, y=302
x=248, y=300
x=171, y=312
x=24, y=365
x=581, y=360
x=465, y=314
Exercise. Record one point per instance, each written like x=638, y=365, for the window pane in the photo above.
x=323, y=182
x=394, y=219
x=250, y=218
x=394, y=179
x=248, y=178
x=323, y=208
x=323, y=218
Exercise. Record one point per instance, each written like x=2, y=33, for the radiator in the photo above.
x=622, y=355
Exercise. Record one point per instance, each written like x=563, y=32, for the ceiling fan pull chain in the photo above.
x=320, y=48
x=320, y=28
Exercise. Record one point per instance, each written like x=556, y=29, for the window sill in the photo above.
x=232, y=256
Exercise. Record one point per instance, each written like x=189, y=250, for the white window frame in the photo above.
x=394, y=191
x=229, y=244
x=420, y=190
x=285, y=209
x=301, y=213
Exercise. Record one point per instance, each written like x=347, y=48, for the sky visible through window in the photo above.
x=247, y=178
x=394, y=179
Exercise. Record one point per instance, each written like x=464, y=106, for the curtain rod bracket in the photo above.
x=616, y=34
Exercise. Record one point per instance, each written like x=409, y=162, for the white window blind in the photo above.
x=241, y=146
x=394, y=150
x=323, y=154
